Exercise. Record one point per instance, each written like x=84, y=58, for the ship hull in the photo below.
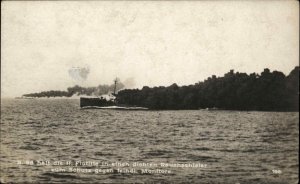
x=97, y=103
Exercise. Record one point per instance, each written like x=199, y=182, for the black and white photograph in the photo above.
x=150, y=92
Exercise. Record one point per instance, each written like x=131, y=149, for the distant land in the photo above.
x=77, y=91
x=268, y=91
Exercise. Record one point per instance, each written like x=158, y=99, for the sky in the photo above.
x=149, y=43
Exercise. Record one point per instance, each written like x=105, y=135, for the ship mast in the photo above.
x=116, y=80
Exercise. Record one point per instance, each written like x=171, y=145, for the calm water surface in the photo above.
x=238, y=147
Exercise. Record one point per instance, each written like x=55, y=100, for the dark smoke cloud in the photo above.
x=78, y=73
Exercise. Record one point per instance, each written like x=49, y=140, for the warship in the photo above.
x=108, y=101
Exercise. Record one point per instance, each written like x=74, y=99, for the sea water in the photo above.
x=53, y=140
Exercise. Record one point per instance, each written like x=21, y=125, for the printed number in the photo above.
x=276, y=171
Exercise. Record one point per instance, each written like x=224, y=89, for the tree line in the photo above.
x=269, y=91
